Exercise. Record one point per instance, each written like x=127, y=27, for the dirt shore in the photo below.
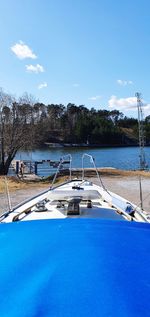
x=122, y=183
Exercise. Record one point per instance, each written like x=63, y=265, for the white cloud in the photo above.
x=23, y=51
x=146, y=109
x=129, y=103
x=75, y=85
x=43, y=85
x=122, y=103
x=34, y=69
x=95, y=98
x=124, y=82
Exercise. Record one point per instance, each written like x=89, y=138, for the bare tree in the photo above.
x=16, y=130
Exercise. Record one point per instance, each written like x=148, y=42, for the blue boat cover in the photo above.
x=75, y=267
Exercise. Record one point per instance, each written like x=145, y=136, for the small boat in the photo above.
x=76, y=198
x=76, y=249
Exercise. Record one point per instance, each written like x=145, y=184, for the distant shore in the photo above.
x=84, y=145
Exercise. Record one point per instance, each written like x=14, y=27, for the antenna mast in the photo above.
x=143, y=164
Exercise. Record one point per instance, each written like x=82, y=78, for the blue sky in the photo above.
x=90, y=52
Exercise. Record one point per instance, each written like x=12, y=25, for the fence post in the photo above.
x=17, y=167
x=35, y=168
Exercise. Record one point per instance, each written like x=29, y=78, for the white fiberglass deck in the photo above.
x=57, y=200
x=55, y=203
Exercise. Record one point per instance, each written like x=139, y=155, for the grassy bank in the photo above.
x=14, y=183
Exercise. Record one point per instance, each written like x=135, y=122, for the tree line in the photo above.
x=26, y=124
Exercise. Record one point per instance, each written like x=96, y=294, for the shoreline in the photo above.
x=32, y=180
x=56, y=145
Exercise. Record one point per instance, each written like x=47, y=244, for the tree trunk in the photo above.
x=4, y=165
x=2, y=169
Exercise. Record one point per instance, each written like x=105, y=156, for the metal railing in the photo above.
x=92, y=161
x=62, y=160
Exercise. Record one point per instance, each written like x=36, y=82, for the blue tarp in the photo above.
x=74, y=267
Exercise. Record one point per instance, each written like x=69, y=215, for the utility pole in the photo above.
x=143, y=164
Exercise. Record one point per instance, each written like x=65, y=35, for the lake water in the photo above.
x=122, y=158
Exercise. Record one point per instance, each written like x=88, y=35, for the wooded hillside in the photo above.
x=25, y=123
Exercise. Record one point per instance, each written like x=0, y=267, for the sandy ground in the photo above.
x=126, y=186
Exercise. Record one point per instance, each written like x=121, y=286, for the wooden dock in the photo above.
x=40, y=167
